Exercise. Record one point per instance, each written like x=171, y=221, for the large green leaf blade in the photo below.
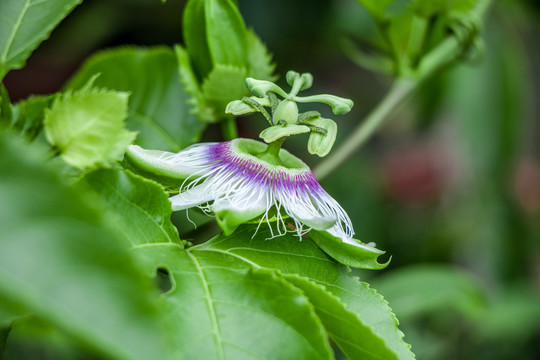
x=58, y=261
x=293, y=257
x=24, y=24
x=220, y=311
x=137, y=207
x=158, y=107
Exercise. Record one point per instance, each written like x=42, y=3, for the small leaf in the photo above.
x=226, y=33
x=224, y=84
x=88, y=127
x=158, y=107
x=24, y=24
x=137, y=207
x=360, y=256
x=274, y=133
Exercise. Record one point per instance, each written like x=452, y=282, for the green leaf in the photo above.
x=194, y=31
x=226, y=33
x=224, y=84
x=28, y=115
x=377, y=8
x=259, y=60
x=191, y=85
x=137, y=207
x=218, y=311
x=24, y=24
x=87, y=127
x=361, y=256
x=158, y=107
x=59, y=262
x=411, y=290
x=6, y=109
x=343, y=325
x=291, y=256
x=429, y=8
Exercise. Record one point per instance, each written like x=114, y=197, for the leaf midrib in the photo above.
x=11, y=37
x=211, y=308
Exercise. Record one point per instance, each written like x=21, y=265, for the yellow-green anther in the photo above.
x=339, y=105
x=286, y=111
x=318, y=143
x=261, y=87
x=274, y=133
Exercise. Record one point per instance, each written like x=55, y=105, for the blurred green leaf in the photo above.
x=194, y=31
x=137, y=207
x=221, y=312
x=158, y=106
x=259, y=58
x=58, y=261
x=429, y=8
x=224, y=84
x=24, y=24
x=422, y=289
x=28, y=115
x=6, y=109
x=191, y=85
x=87, y=126
x=374, y=319
x=376, y=8
x=226, y=33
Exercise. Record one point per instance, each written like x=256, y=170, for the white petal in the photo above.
x=197, y=195
x=304, y=211
x=180, y=165
x=231, y=213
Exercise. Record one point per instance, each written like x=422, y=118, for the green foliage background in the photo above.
x=450, y=188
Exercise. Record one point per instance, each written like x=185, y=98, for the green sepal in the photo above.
x=261, y=87
x=229, y=219
x=240, y=107
x=321, y=144
x=147, y=162
x=359, y=256
x=274, y=133
x=339, y=105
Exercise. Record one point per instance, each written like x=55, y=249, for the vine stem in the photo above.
x=228, y=128
x=398, y=92
x=447, y=52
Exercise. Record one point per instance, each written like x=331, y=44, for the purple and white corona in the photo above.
x=231, y=180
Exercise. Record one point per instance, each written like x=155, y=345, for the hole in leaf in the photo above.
x=163, y=279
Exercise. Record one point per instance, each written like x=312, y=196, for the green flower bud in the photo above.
x=286, y=111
